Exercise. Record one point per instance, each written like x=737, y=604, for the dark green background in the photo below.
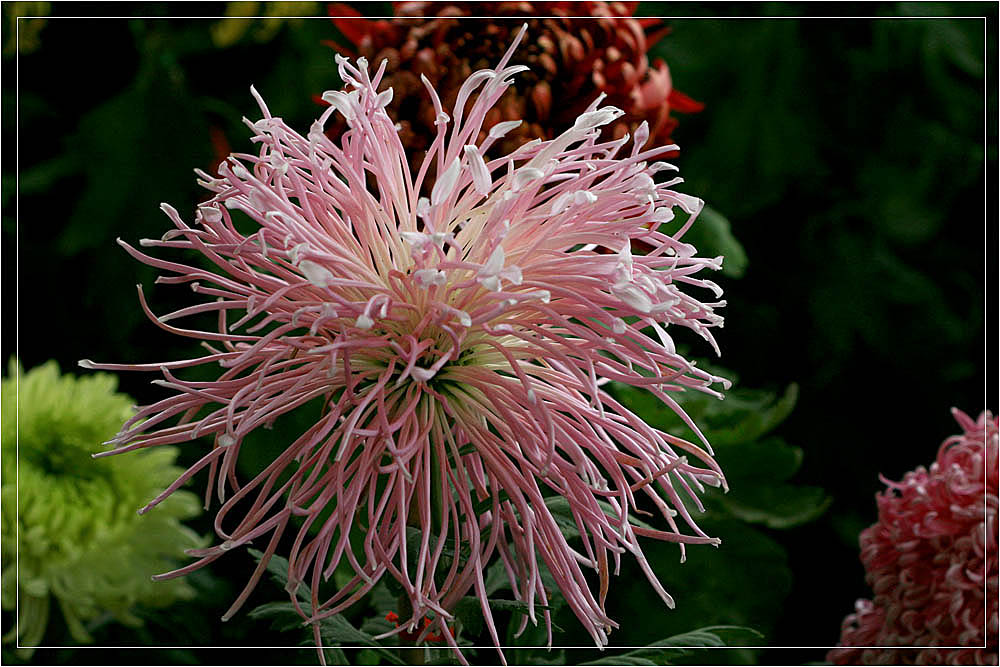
x=851, y=155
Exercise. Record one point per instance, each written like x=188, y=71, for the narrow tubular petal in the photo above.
x=453, y=350
x=480, y=174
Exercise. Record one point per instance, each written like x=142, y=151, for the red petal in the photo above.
x=655, y=36
x=678, y=101
x=349, y=22
x=629, y=8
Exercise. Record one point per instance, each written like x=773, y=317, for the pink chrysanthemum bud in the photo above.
x=458, y=342
x=932, y=561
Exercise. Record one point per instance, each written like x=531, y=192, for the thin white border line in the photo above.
x=515, y=18
x=591, y=647
x=17, y=335
x=17, y=143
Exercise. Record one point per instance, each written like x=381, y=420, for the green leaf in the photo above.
x=496, y=578
x=768, y=459
x=377, y=625
x=756, y=469
x=743, y=416
x=462, y=451
x=758, y=413
x=469, y=611
x=367, y=657
x=486, y=504
x=563, y=516
x=382, y=599
x=623, y=660
x=337, y=630
x=713, y=235
x=514, y=605
x=562, y=513
x=336, y=656
x=470, y=614
x=749, y=571
x=776, y=506
x=713, y=635
x=277, y=567
x=663, y=651
x=283, y=616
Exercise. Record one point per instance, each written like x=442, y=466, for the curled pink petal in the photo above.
x=932, y=561
x=454, y=339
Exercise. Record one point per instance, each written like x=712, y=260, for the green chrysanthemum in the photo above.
x=78, y=536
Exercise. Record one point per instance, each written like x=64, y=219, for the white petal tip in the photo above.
x=422, y=374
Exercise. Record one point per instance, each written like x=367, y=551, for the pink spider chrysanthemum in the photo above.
x=932, y=561
x=458, y=343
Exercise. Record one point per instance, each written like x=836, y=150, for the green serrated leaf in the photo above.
x=283, y=615
x=271, y=609
x=713, y=635
x=277, y=566
x=338, y=630
x=661, y=652
x=376, y=626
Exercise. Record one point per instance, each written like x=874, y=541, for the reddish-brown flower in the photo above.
x=578, y=51
x=931, y=561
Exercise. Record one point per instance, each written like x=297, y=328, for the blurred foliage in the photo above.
x=847, y=156
x=129, y=141
x=227, y=32
x=847, y=169
x=71, y=534
x=24, y=22
x=712, y=235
